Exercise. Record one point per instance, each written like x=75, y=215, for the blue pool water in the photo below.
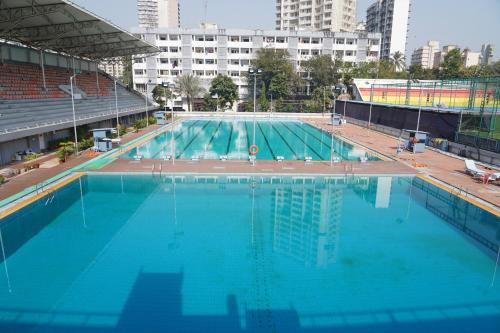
x=231, y=254
x=210, y=139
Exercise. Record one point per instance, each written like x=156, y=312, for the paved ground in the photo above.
x=449, y=169
x=36, y=176
x=262, y=167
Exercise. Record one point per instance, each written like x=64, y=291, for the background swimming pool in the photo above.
x=208, y=254
x=210, y=139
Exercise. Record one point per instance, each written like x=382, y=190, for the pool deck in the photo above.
x=261, y=167
x=444, y=167
x=35, y=176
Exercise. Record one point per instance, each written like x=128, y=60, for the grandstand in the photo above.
x=44, y=43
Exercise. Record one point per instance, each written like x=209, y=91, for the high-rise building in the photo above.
x=487, y=51
x=425, y=55
x=390, y=18
x=158, y=13
x=316, y=15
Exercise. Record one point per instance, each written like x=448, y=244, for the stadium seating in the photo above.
x=25, y=81
x=17, y=115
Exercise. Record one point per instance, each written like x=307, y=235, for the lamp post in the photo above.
x=254, y=72
x=146, y=99
x=74, y=114
x=116, y=109
x=171, y=86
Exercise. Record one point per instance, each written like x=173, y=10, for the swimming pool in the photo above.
x=129, y=253
x=212, y=138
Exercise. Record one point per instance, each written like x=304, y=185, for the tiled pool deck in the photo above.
x=445, y=168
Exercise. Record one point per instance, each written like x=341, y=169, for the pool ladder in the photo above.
x=50, y=197
x=154, y=170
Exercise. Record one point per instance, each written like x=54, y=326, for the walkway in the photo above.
x=446, y=168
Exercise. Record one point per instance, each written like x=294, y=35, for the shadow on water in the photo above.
x=155, y=305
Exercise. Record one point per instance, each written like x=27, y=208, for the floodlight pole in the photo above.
x=146, y=99
x=371, y=106
x=74, y=114
x=324, y=100
x=254, y=103
x=116, y=109
x=419, y=107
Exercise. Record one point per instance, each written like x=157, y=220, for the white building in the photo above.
x=487, y=53
x=471, y=58
x=390, y=18
x=158, y=13
x=209, y=52
x=439, y=56
x=425, y=55
x=316, y=15
x=114, y=67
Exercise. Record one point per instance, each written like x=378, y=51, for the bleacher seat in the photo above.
x=25, y=81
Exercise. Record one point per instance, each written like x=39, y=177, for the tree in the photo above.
x=279, y=87
x=209, y=103
x=453, y=65
x=419, y=73
x=323, y=70
x=273, y=63
x=398, y=61
x=263, y=102
x=127, y=78
x=190, y=87
x=159, y=95
x=226, y=90
x=321, y=99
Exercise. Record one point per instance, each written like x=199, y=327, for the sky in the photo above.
x=447, y=21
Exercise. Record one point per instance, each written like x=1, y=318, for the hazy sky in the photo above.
x=448, y=21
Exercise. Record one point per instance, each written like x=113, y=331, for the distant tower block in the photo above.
x=158, y=13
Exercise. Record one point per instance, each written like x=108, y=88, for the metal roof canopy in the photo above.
x=61, y=26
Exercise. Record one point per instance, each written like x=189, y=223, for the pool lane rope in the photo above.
x=495, y=271
x=5, y=264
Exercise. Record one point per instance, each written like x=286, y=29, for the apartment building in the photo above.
x=425, y=55
x=159, y=13
x=114, y=67
x=487, y=54
x=390, y=18
x=207, y=53
x=316, y=15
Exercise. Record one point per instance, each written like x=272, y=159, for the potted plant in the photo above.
x=65, y=149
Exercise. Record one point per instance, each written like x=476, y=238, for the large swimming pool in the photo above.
x=136, y=253
x=211, y=139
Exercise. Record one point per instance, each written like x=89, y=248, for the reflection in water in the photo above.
x=306, y=223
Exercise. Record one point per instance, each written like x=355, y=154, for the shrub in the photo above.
x=141, y=123
x=86, y=144
x=122, y=129
x=32, y=156
x=2, y=179
x=152, y=120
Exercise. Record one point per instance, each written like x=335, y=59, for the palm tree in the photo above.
x=190, y=87
x=398, y=61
